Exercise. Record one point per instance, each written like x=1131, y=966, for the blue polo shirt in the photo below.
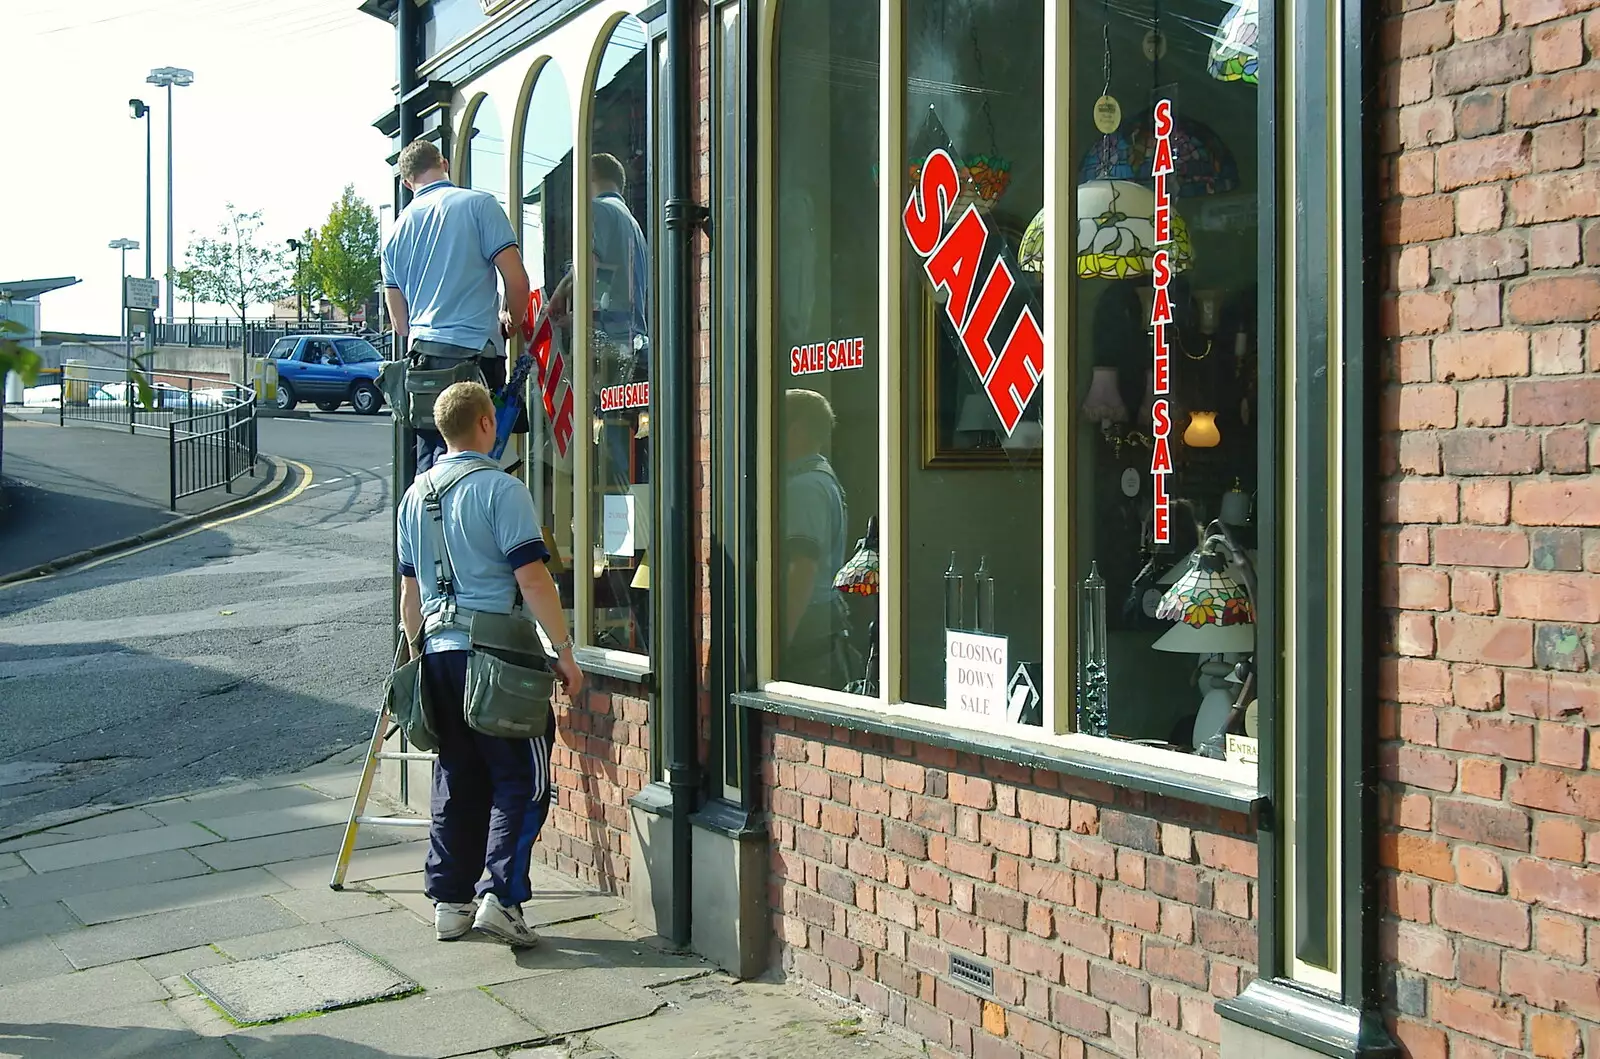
x=440, y=256
x=491, y=531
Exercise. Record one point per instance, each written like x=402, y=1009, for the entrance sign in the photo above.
x=1160, y=320
x=140, y=293
x=951, y=261
x=976, y=678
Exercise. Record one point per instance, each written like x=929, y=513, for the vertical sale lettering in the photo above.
x=1160, y=319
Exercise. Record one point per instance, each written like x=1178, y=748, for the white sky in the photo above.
x=279, y=119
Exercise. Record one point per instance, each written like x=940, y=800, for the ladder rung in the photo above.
x=406, y=755
x=397, y=821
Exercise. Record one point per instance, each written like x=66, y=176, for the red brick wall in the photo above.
x=1113, y=920
x=600, y=760
x=1491, y=175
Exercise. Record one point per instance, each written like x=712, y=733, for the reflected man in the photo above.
x=814, y=519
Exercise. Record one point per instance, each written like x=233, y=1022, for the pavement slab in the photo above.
x=722, y=1019
x=25, y=961
x=279, y=820
x=574, y=1001
x=168, y=896
x=310, y=872
x=539, y=913
x=70, y=996
x=171, y=964
x=20, y=924
x=97, y=878
x=298, y=982
x=398, y=939
x=634, y=960
x=323, y=905
x=132, y=939
x=74, y=854
x=114, y=823
x=425, y=1026
x=232, y=803
x=37, y=840
x=296, y=845
x=137, y=1031
x=252, y=946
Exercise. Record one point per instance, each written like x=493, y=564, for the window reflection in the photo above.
x=546, y=248
x=825, y=406
x=621, y=348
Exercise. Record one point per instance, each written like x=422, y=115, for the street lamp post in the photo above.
x=138, y=109
x=167, y=76
x=123, y=245
x=299, y=281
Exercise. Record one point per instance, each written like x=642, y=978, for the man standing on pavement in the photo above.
x=439, y=267
x=490, y=795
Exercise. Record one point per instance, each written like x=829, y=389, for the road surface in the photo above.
x=249, y=647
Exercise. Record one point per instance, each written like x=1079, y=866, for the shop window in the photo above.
x=617, y=424
x=1080, y=571
x=546, y=235
x=974, y=76
x=825, y=407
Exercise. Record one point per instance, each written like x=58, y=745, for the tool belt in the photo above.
x=509, y=681
x=412, y=390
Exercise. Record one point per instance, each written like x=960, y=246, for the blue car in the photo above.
x=327, y=370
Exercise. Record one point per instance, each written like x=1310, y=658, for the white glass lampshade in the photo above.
x=1208, y=639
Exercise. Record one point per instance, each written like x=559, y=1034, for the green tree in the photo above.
x=344, y=254
x=238, y=268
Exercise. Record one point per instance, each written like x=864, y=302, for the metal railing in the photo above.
x=212, y=448
x=209, y=424
x=219, y=334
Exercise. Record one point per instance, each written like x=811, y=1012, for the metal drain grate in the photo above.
x=972, y=973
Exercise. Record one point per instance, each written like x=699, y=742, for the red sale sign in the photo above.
x=951, y=260
x=555, y=387
x=1160, y=320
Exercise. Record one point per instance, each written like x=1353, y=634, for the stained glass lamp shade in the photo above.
x=1109, y=159
x=859, y=576
x=1234, y=53
x=1207, y=595
x=1116, y=233
x=1201, y=162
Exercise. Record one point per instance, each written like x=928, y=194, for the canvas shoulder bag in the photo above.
x=408, y=705
x=509, y=683
x=411, y=391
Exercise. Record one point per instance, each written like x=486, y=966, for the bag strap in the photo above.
x=436, y=482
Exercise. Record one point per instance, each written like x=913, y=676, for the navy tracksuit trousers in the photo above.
x=490, y=797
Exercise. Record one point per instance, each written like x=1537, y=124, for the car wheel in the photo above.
x=286, y=397
x=329, y=406
x=366, y=399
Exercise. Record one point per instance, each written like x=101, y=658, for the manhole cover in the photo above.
x=269, y=988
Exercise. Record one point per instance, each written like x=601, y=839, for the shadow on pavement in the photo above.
x=79, y=486
x=126, y=726
x=57, y=1040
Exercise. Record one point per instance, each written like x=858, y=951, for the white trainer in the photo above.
x=451, y=920
x=502, y=923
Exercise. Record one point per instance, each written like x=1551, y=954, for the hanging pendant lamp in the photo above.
x=1234, y=51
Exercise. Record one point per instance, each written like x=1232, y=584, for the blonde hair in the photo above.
x=456, y=411
x=812, y=412
x=419, y=157
x=607, y=167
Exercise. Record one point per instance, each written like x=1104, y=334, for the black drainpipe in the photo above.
x=674, y=484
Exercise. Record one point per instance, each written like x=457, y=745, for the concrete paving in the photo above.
x=118, y=963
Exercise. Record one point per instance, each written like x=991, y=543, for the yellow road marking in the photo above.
x=306, y=476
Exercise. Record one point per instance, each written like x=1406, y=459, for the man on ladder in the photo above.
x=490, y=795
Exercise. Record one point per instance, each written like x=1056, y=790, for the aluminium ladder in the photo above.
x=375, y=753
